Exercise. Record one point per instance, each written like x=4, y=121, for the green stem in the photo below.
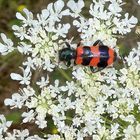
x=66, y=76
x=68, y=118
x=110, y=122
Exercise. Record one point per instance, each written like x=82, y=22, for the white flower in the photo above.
x=41, y=122
x=82, y=24
x=40, y=118
x=79, y=74
x=54, y=89
x=32, y=103
x=56, y=12
x=110, y=76
x=77, y=121
x=98, y=11
x=25, y=79
x=28, y=116
x=130, y=118
x=75, y=7
x=125, y=25
x=48, y=65
x=28, y=20
x=10, y=136
x=27, y=92
x=21, y=134
x=130, y=23
x=61, y=30
x=17, y=101
x=114, y=130
x=70, y=87
x=115, y=8
x=54, y=137
x=133, y=59
x=103, y=132
x=29, y=63
x=24, y=48
x=35, y=137
x=20, y=32
x=7, y=45
x=4, y=125
x=43, y=17
x=44, y=82
x=132, y=132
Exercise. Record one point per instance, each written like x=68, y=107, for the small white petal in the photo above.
x=3, y=36
x=58, y=5
x=9, y=102
x=3, y=48
x=19, y=16
x=16, y=76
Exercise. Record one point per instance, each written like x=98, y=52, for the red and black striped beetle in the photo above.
x=97, y=56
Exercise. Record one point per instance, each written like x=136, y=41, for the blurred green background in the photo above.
x=11, y=62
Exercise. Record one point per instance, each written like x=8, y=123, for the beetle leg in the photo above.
x=96, y=69
x=67, y=44
x=68, y=63
x=98, y=42
x=79, y=44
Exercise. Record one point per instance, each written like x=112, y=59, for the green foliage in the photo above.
x=14, y=116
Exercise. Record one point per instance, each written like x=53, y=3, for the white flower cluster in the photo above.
x=16, y=134
x=105, y=20
x=103, y=105
x=38, y=38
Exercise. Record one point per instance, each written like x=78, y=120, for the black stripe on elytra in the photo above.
x=104, y=56
x=86, y=56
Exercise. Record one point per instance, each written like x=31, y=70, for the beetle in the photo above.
x=97, y=57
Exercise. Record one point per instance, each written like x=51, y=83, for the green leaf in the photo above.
x=14, y=116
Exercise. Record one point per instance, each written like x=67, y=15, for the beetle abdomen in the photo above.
x=97, y=56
